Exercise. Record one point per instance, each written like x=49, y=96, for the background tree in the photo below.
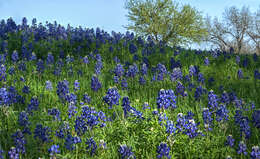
x=165, y=21
x=254, y=30
x=238, y=29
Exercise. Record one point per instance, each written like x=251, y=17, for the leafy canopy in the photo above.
x=165, y=21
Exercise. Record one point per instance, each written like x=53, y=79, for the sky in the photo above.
x=106, y=14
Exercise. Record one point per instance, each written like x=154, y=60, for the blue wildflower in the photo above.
x=54, y=150
x=256, y=118
x=91, y=146
x=55, y=113
x=2, y=73
x=112, y=97
x=19, y=141
x=206, y=61
x=125, y=152
x=207, y=118
x=43, y=133
x=95, y=83
x=13, y=153
x=163, y=151
x=72, y=109
x=222, y=113
x=166, y=99
x=176, y=74
x=40, y=66
x=212, y=100
x=15, y=56
x=255, y=154
x=86, y=98
x=119, y=70
x=50, y=59
x=242, y=148
x=230, y=141
x=48, y=85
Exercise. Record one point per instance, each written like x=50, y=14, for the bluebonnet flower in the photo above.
x=126, y=105
x=57, y=71
x=170, y=129
x=72, y=109
x=91, y=146
x=50, y=59
x=116, y=79
x=245, y=62
x=4, y=99
x=102, y=144
x=1, y=154
x=201, y=78
x=199, y=92
x=22, y=66
x=124, y=83
x=162, y=117
x=207, y=118
x=13, y=153
x=132, y=71
x=54, y=150
x=69, y=59
x=144, y=69
x=255, y=57
x=86, y=98
x=222, y=113
x=116, y=59
x=256, y=74
x=212, y=100
x=43, y=133
x=146, y=106
x=166, y=99
x=23, y=119
x=11, y=71
x=19, y=141
x=255, y=154
x=119, y=70
x=180, y=88
x=256, y=118
x=55, y=113
x=174, y=64
x=76, y=85
x=242, y=148
x=176, y=74
x=125, y=152
x=206, y=61
x=69, y=142
x=33, y=105
x=85, y=60
x=142, y=80
x=243, y=123
x=15, y=56
x=62, y=89
x=95, y=83
x=48, y=85
x=225, y=98
x=63, y=130
x=40, y=66
x=98, y=67
x=33, y=57
x=132, y=48
x=190, y=128
x=163, y=151
x=237, y=59
x=240, y=74
x=230, y=141
x=192, y=70
x=112, y=97
x=26, y=89
x=2, y=73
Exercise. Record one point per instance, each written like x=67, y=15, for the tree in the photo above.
x=165, y=21
x=232, y=31
x=254, y=30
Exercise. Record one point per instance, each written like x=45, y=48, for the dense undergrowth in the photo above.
x=84, y=93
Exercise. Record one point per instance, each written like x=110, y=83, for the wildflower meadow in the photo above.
x=76, y=93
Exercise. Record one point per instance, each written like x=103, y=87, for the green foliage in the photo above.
x=165, y=21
